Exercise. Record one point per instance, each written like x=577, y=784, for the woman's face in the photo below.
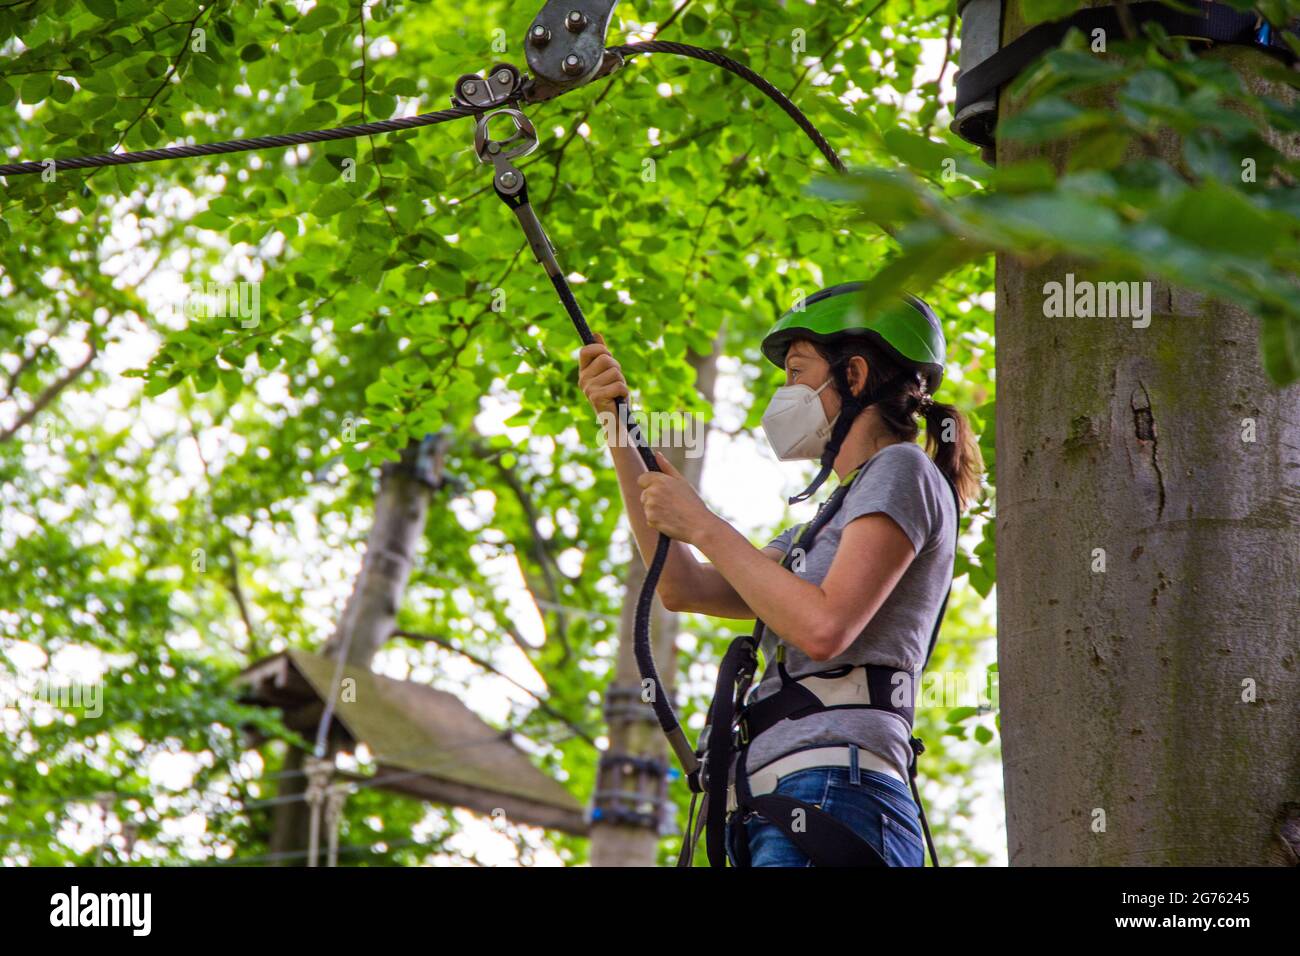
x=804, y=365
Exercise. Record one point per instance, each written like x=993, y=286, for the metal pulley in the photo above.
x=500, y=86
x=565, y=46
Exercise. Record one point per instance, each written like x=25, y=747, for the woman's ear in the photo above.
x=859, y=371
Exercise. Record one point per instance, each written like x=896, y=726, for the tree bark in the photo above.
x=622, y=844
x=1130, y=735
x=370, y=614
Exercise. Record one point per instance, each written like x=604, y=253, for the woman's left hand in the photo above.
x=671, y=505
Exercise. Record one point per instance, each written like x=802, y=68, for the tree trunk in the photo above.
x=1149, y=703
x=615, y=843
x=369, y=616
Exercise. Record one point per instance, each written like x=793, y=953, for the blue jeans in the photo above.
x=875, y=806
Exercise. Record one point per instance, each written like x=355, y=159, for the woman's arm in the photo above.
x=686, y=583
x=709, y=593
x=601, y=379
x=821, y=620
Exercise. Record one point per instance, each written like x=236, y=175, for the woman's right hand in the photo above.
x=600, y=377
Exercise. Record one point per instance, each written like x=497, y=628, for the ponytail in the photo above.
x=950, y=441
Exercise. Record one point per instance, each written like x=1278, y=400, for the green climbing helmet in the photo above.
x=909, y=330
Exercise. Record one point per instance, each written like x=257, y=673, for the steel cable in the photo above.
x=746, y=74
x=278, y=140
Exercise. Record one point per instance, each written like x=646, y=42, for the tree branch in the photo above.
x=27, y=361
x=47, y=396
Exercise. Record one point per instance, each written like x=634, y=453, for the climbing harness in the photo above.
x=910, y=334
x=726, y=783
x=985, y=66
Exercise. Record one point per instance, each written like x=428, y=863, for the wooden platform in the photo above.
x=430, y=744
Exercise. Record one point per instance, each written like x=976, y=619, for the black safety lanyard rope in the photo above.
x=512, y=186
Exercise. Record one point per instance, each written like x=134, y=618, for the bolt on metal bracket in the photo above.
x=565, y=46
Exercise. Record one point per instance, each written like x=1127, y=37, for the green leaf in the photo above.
x=1038, y=11
x=156, y=385
x=210, y=220
x=252, y=53
x=958, y=714
x=1222, y=219
x=403, y=86
x=35, y=88
x=332, y=202
x=324, y=170
x=320, y=70
x=205, y=379
x=1280, y=345
x=232, y=381
x=917, y=151
x=319, y=18
x=104, y=9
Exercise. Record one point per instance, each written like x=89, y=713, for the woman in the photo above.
x=866, y=594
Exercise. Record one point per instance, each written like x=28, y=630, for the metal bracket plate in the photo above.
x=500, y=86
x=565, y=45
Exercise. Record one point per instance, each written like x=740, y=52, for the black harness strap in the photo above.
x=734, y=674
x=1215, y=22
x=794, y=700
x=822, y=838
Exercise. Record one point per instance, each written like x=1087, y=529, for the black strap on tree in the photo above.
x=1215, y=22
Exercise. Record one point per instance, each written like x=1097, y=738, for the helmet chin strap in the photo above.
x=836, y=440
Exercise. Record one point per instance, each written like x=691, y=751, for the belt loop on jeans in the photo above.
x=855, y=777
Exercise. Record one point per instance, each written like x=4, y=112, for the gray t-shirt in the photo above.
x=902, y=482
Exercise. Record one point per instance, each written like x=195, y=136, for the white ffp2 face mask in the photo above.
x=795, y=423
